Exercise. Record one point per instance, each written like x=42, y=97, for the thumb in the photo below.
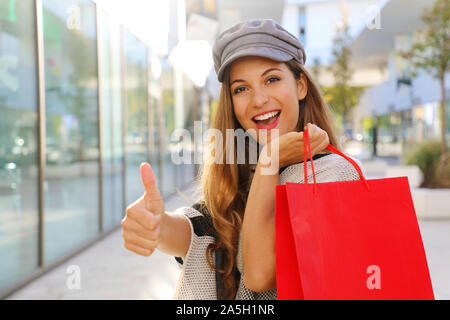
x=148, y=178
x=153, y=199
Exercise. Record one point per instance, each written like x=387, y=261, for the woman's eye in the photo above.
x=238, y=90
x=273, y=79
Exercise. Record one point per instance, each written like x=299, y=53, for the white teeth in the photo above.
x=266, y=116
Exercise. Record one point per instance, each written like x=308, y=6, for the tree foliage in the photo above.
x=431, y=51
x=342, y=97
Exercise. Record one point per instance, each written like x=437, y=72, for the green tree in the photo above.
x=342, y=96
x=432, y=52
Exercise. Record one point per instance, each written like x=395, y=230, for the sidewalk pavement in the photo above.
x=109, y=271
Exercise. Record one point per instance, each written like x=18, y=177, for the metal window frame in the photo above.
x=39, y=29
x=100, y=115
x=123, y=69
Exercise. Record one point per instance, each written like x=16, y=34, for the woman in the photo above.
x=225, y=243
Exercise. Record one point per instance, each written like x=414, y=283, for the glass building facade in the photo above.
x=19, y=142
x=82, y=103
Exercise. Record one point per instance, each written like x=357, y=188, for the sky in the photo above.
x=149, y=20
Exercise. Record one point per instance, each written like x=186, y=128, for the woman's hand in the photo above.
x=141, y=225
x=291, y=145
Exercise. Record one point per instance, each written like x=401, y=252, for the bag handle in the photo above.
x=332, y=149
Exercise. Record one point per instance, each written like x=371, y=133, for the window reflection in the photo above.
x=168, y=126
x=137, y=116
x=71, y=173
x=112, y=151
x=155, y=116
x=188, y=146
x=18, y=142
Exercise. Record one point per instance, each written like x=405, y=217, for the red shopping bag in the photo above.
x=349, y=240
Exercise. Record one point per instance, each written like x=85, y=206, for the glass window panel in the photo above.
x=111, y=92
x=71, y=173
x=168, y=126
x=189, y=125
x=178, y=124
x=18, y=142
x=155, y=115
x=136, y=67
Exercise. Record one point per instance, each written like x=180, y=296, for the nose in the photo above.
x=260, y=98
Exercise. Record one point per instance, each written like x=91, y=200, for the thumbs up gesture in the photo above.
x=142, y=222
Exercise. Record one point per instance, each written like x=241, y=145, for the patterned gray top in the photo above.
x=197, y=281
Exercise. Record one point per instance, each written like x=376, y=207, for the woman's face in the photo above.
x=265, y=95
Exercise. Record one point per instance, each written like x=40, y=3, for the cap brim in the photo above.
x=265, y=52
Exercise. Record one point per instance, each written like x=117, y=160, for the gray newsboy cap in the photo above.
x=259, y=37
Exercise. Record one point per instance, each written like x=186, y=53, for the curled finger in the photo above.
x=149, y=243
x=136, y=249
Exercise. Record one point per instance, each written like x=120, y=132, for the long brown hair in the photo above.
x=224, y=186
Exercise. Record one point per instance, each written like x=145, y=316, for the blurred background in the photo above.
x=90, y=89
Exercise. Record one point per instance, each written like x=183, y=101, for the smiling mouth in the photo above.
x=268, y=120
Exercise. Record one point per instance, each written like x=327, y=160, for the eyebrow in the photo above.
x=262, y=75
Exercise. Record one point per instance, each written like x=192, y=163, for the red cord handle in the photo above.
x=332, y=149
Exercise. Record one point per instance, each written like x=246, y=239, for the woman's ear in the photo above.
x=302, y=87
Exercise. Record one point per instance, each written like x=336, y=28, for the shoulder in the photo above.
x=200, y=219
x=329, y=168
